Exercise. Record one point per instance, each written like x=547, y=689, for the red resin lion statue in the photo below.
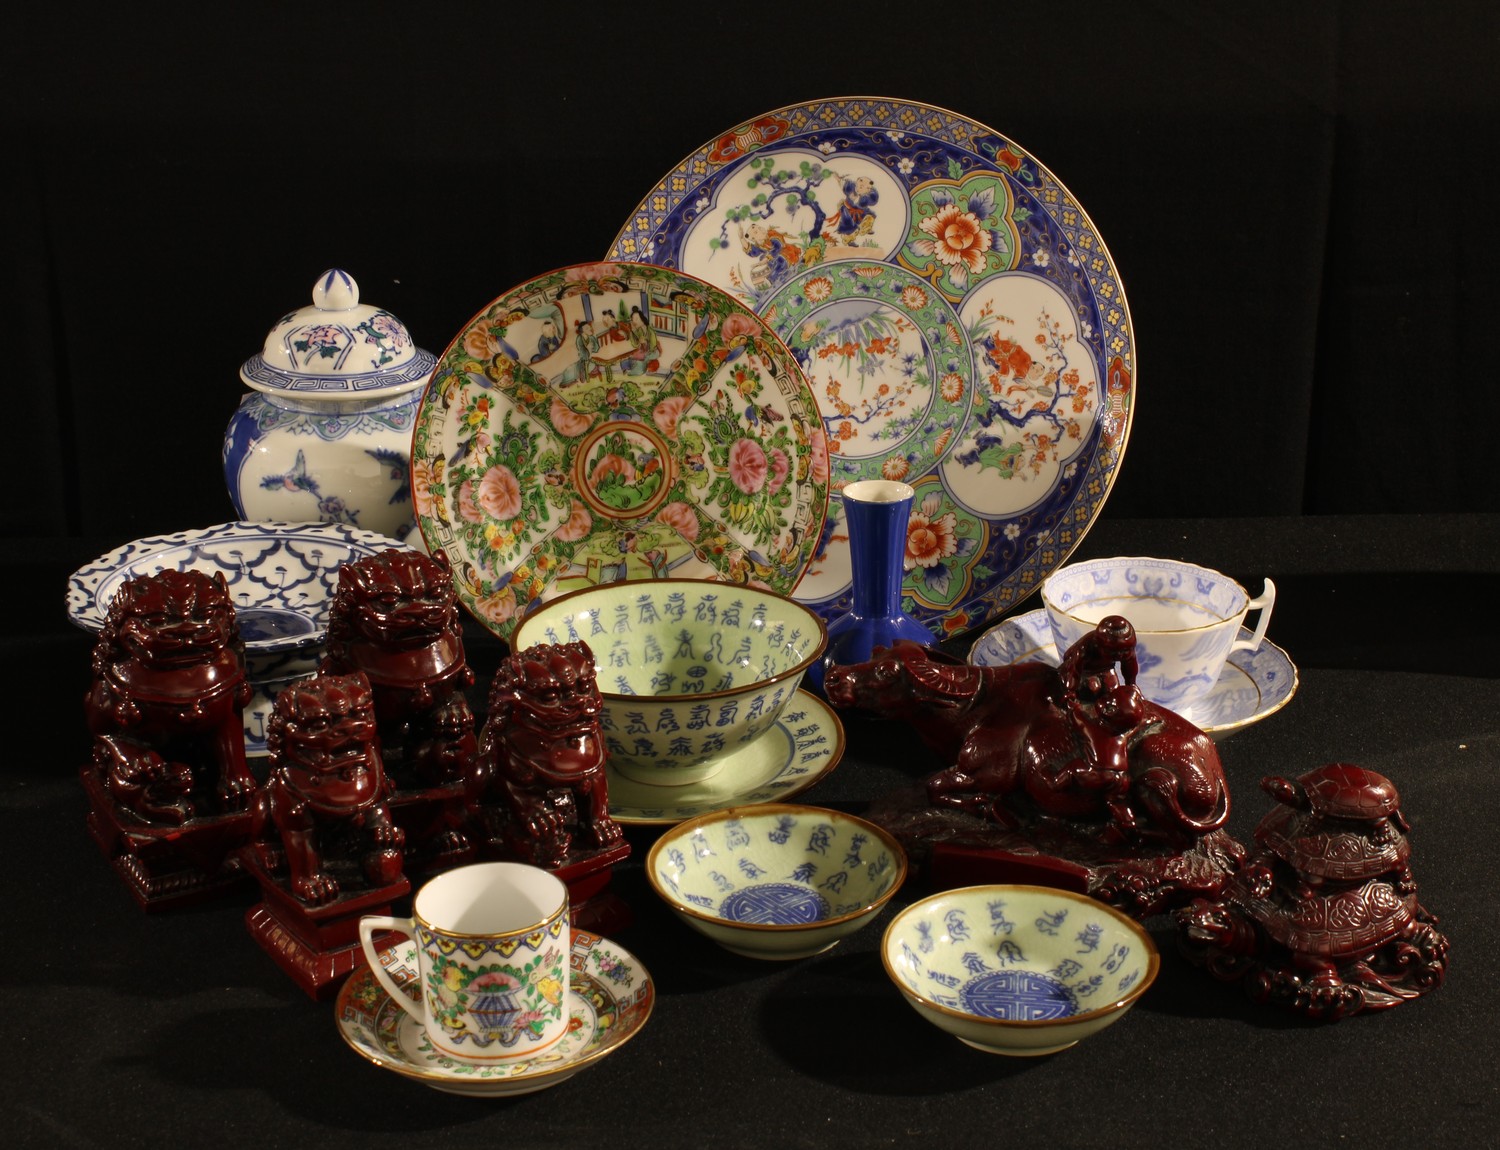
x=165, y=705
x=395, y=619
x=541, y=757
x=327, y=793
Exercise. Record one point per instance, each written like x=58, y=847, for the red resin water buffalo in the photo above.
x=1025, y=743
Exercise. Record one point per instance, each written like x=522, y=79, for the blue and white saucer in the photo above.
x=806, y=743
x=1253, y=684
x=610, y=996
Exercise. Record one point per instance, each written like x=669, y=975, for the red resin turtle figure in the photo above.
x=1324, y=917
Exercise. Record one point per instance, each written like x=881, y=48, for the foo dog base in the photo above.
x=166, y=867
x=949, y=848
x=433, y=819
x=316, y=947
x=593, y=906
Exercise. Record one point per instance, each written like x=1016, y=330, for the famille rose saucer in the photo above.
x=962, y=325
x=609, y=1000
x=1252, y=685
x=616, y=421
x=806, y=743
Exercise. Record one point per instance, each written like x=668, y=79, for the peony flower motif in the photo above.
x=611, y=464
x=583, y=273
x=748, y=466
x=477, y=343
x=500, y=492
x=498, y=606
x=739, y=325
x=668, y=412
x=930, y=538
x=469, y=509
x=957, y=238
x=780, y=466
x=817, y=289
x=577, y=526
x=951, y=387
x=818, y=450
x=913, y=296
x=566, y=421
x=680, y=518
x=895, y=468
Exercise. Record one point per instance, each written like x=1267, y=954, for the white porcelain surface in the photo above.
x=1253, y=684
x=1018, y=970
x=777, y=881
x=1186, y=618
x=691, y=671
x=282, y=577
x=806, y=743
x=610, y=997
x=325, y=434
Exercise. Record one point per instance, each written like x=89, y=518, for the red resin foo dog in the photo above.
x=1071, y=766
x=395, y=618
x=540, y=768
x=164, y=708
x=1323, y=918
x=326, y=797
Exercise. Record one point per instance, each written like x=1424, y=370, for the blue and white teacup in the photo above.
x=1187, y=619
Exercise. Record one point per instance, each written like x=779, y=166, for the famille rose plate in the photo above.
x=610, y=997
x=616, y=421
x=961, y=323
x=1252, y=686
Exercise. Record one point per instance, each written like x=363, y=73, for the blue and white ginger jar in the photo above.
x=325, y=436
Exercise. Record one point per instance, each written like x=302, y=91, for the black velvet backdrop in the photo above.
x=1298, y=195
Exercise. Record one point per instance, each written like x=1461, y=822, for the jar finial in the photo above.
x=335, y=291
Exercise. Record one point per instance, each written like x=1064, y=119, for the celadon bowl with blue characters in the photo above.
x=776, y=880
x=690, y=670
x=1018, y=970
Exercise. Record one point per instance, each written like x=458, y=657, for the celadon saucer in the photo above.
x=609, y=1000
x=806, y=743
x=1253, y=684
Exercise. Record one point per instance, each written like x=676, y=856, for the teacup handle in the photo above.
x=368, y=925
x=1262, y=603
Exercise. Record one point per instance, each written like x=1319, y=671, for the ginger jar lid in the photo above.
x=338, y=349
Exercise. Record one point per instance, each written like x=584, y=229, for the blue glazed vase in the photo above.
x=876, y=512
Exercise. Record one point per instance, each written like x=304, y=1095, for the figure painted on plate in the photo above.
x=775, y=256
x=855, y=216
x=548, y=341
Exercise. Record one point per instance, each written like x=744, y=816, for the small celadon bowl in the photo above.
x=690, y=670
x=1018, y=970
x=776, y=880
